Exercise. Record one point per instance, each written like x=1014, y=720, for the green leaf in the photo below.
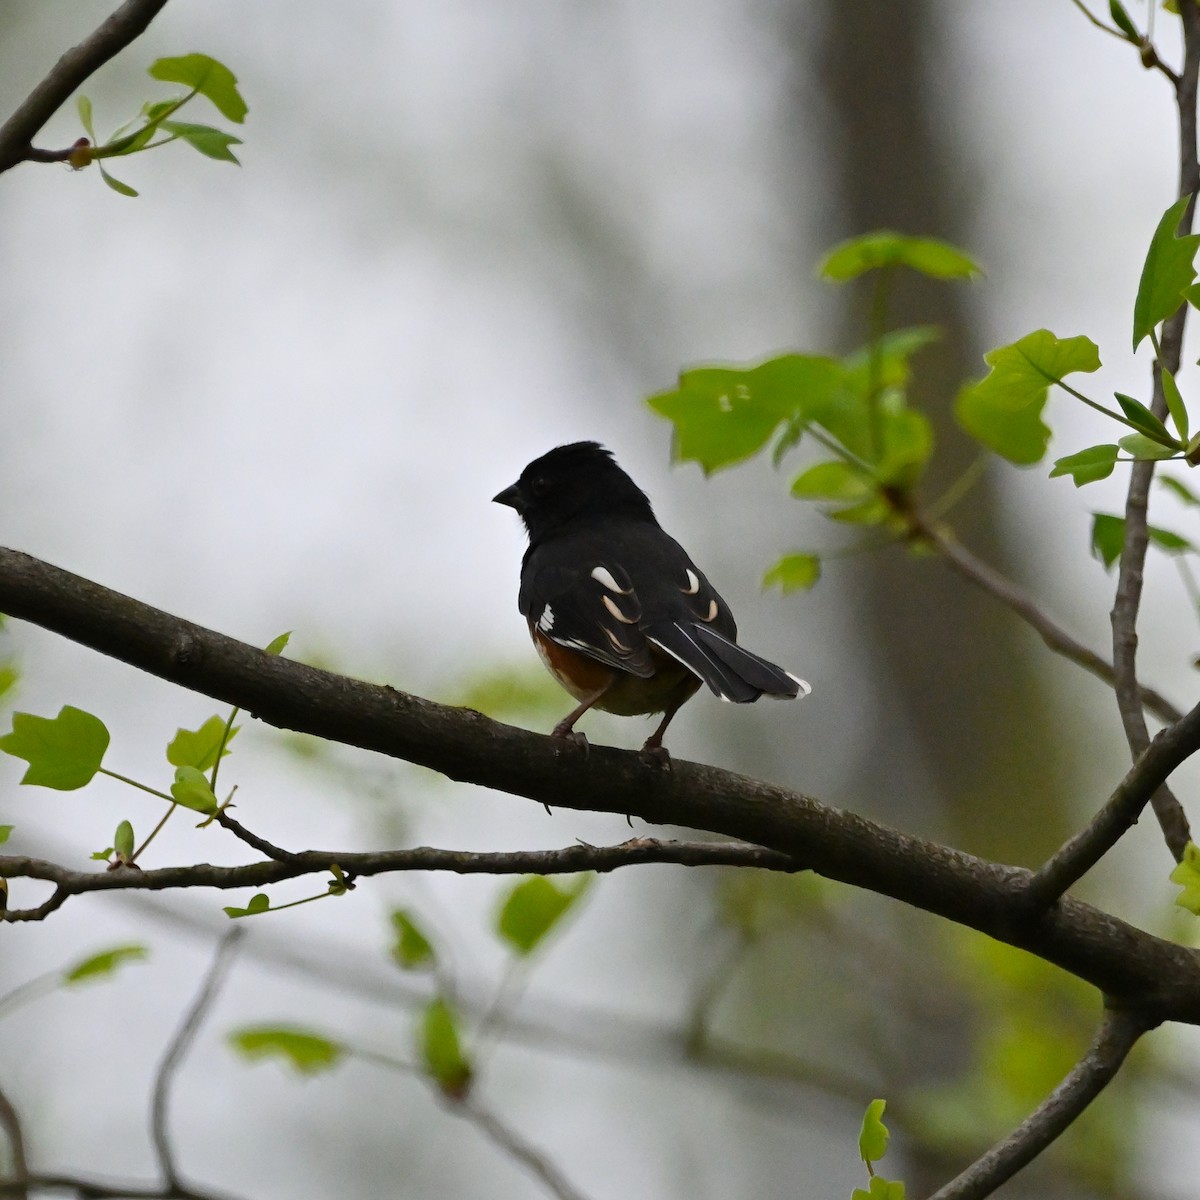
x=260, y=902
x=834, y=481
x=1172, y=543
x=1187, y=875
x=106, y=962
x=870, y=512
x=884, y=248
x=117, y=186
x=124, y=146
x=198, y=747
x=1142, y=419
x=101, y=855
x=1167, y=273
x=1003, y=410
x=278, y=644
x=1175, y=404
x=191, y=790
x=1122, y=22
x=724, y=414
x=214, y=143
x=906, y=442
x=1108, y=537
x=206, y=76
x=123, y=841
x=880, y=1189
x=1137, y=445
x=84, y=105
x=1096, y=462
x=1181, y=489
x=301, y=1049
x=794, y=572
x=63, y=752
x=410, y=947
x=440, y=1049
x=533, y=907
x=5, y=830
x=873, y=1136
x=888, y=362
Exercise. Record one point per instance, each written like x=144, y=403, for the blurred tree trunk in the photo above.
x=963, y=680
x=966, y=677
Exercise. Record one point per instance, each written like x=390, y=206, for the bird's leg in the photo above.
x=654, y=748
x=565, y=729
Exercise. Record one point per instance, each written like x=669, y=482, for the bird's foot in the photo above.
x=656, y=754
x=572, y=737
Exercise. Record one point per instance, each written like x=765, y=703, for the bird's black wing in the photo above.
x=615, y=593
x=571, y=597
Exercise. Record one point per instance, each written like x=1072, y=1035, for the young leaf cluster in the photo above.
x=855, y=413
x=66, y=752
x=156, y=125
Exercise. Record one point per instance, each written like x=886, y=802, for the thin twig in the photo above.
x=288, y=865
x=1077, y=856
x=86, y=1188
x=111, y=37
x=1056, y=638
x=1117, y=1035
x=178, y=1047
x=10, y=1122
x=516, y=1147
x=1144, y=45
x=1128, y=598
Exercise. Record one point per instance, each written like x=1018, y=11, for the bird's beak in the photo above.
x=509, y=496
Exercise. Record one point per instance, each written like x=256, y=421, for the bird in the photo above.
x=622, y=617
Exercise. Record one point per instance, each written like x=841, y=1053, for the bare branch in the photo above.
x=1123, y=962
x=178, y=1047
x=1021, y=603
x=10, y=1122
x=516, y=1147
x=1172, y=745
x=357, y=864
x=111, y=37
x=87, y=1188
x=1117, y=1035
x=1128, y=599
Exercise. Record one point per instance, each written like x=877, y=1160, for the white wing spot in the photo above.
x=604, y=576
x=546, y=620
x=693, y=583
x=712, y=611
x=616, y=612
x=803, y=684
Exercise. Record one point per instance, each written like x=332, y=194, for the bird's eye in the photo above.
x=540, y=486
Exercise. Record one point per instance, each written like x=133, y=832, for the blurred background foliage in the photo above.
x=281, y=397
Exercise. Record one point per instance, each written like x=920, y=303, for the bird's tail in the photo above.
x=731, y=671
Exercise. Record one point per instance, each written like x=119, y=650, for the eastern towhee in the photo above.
x=620, y=614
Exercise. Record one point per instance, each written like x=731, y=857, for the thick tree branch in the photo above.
x=1117, y=1035
x=1123, y=962
x=1128, y=599
x=109, y=39
x=1055, y=637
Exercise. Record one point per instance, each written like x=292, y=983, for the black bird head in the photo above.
x=572, y=482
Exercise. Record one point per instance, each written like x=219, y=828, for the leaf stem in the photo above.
x=153, y=833
x=134, y=783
